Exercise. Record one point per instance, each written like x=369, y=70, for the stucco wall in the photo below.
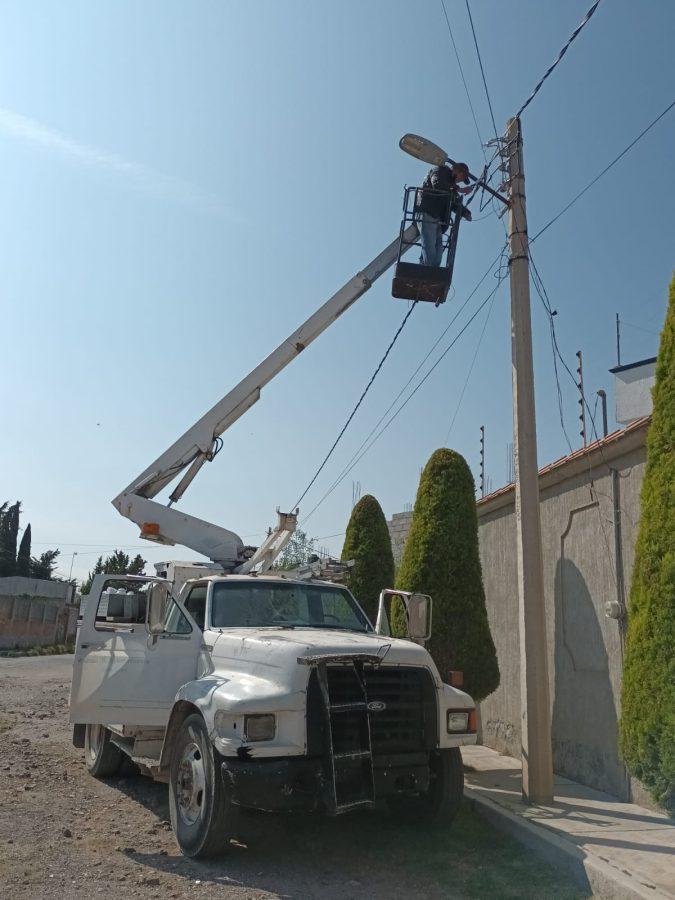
x=580, y=576
x=633, y=391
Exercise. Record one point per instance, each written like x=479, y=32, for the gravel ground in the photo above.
x=64, y=833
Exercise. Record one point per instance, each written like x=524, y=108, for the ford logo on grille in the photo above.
x=376, y=706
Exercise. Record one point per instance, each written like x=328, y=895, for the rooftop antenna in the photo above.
x=618, y=341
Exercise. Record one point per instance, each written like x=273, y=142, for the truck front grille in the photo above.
x=405, y=724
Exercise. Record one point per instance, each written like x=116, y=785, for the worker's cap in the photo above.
x=462, y=171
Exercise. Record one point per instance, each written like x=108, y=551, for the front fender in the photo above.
x=236, y=695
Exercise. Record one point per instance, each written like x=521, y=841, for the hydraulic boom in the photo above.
x=200, y=444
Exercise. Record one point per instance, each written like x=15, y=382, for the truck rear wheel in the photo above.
x=101, y=756
x=441, y=802
x=202, y=815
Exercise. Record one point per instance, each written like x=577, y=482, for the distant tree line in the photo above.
x=118, y=563
x=15, y=555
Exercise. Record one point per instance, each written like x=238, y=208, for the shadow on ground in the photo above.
x=360, y=855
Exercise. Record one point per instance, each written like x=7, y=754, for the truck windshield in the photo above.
x=245, y=605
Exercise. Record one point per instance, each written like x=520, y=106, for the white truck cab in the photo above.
x=264, y=692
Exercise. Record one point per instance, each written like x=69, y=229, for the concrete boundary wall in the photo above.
x=35, y=612
x=590, y=507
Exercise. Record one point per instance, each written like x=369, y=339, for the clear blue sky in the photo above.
x=183, y=183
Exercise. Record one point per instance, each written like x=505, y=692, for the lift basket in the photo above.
x=414, y=281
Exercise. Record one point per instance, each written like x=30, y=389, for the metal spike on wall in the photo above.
x=510, y=464
x=482, y=460
x=582, y=397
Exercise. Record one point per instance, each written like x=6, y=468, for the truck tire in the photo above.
x=101, y=756
x=202, y=815
x=441, y=803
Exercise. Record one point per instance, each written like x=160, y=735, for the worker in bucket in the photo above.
x=436, y=201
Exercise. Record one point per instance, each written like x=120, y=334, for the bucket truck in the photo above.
x=245, y=689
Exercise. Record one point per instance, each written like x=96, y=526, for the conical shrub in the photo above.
x=367, y=542
x=441, y=558
x=648, y=692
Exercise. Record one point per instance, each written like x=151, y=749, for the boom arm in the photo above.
x=200, y=442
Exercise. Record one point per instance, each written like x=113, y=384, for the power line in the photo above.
x=408, y=398
x=420, y=365
x=640, y=328
x=358, y=404
x=564, y=50
x=461, y=72
x=604, y=171
x=468, y=374
x=556, y=350
x=482, y=70
x=543, y=296
x=594, y=493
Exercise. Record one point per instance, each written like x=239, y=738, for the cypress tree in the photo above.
x=9, y=534
x=44, y=565
x=23, y=556
x=648, y=692
x=367, y=542
x=441, y=558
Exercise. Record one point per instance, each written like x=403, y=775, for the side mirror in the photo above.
x=417, y=613
x=158, y=595
x=418, y=608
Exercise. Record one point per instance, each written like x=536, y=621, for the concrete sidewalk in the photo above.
x=614, y=849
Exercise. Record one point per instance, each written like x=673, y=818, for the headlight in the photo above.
x=259, y=728
x=458, y=721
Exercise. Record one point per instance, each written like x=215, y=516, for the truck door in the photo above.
x=122, y=674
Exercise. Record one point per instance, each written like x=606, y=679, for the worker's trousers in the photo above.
x=431, y=235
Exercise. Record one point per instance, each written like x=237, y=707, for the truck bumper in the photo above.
x=293, y=784
x=299, y=784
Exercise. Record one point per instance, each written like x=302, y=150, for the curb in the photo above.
x=591, y=872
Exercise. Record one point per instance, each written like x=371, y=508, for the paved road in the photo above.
x=64, y=833
x=38, y=668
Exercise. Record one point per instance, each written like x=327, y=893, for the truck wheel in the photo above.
x=202, y=815
x=441, y=802
x=101, y=756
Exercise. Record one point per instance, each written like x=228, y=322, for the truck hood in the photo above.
x=276, y=653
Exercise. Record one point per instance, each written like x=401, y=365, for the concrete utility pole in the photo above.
x=534, y=691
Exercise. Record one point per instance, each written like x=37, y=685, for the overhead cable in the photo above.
x=482, y=70
x=564, y=50
x=461, y=72
x=604, y=171
x=400, y=409
x=468, y=374
x=358, y=404
x=426, y=357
